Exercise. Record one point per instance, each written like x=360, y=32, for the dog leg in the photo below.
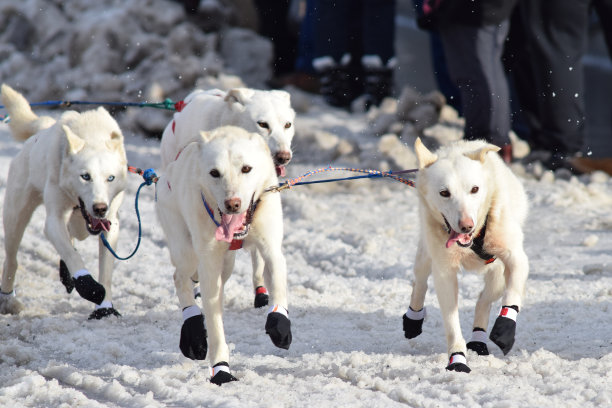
x=445, y=281
x=517, y=269
x=493, y=289
x=210, y=270
x=414, y=317
x=105, y=266
x=278, y=325
x=19, y=204
x=56, y=231
x=261, y=293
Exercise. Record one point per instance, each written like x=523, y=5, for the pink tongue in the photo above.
x=98, y=224
x=455, y=236
x=230, y=223
x=280, y=171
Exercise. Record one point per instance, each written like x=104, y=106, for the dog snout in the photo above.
x=232, y=205
x=283, y=157
x=466, y=225
x=100, y=209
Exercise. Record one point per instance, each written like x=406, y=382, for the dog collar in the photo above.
x=477, y=241
x=236, y=243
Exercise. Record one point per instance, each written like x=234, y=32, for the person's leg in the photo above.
x=273, y=24
x=603, y=8
x=557, y=40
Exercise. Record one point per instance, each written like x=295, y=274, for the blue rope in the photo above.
x=167, y=104
x=107, y=245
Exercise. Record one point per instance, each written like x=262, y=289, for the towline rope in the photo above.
x=167, y=104
x=369, y=174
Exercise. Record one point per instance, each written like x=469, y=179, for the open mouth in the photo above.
x=94, y=225
x=280, y=170
x=235, y=226
x=462, y=239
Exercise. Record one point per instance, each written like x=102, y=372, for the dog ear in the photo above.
x=481, y=154
x=206, y=136
x=424, y=156
x=116, y=139
x=75, y=143
x=239, y=95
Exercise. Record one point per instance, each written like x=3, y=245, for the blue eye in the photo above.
x=86, y=176
x=110, y=178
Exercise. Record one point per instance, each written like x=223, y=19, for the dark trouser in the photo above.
x=557, y=38
x=473, y=56
x=355, y=27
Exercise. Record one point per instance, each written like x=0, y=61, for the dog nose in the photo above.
x=466, y=225
x=232, y=204
x=283, y=157
x=100, y=209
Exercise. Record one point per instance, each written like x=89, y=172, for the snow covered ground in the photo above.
x=349, y=246
x=350, y=249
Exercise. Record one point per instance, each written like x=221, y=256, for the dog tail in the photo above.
x=23, y=121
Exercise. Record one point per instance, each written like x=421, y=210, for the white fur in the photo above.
x=457, y=169
x=267, y=113
x=190, y=232
x=247, y=108
x=49, y=170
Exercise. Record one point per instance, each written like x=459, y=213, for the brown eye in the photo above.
x=287, y=125
x=474, y=190
x=445, y=193
x=263, y=125
x=246, y=169
x=215, y=173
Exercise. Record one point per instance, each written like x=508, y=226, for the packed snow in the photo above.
x=350, y=249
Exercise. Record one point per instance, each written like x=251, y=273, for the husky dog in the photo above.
x=211, y=196
x=268, y=113
x=75, y=166
x=472, y=208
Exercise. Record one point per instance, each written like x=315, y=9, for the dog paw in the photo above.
x=221, y=374
x=89, y=289
x=479, y=347
x=278, y=327
x=261, y=297
x=193, y=342
x=65, y=277
x=9, y=304
x=458, y=363
x=504, y=329
x=103, y=312
x=413, y=323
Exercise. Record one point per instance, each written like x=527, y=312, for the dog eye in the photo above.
x=263, y=125
x=474, y=190
x=246, y=169
x=287, y=125
x=86, y=176
x=110, y=178
x=445, y=193
x=215, y=173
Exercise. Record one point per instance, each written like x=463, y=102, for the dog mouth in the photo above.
x=462, y=239
x=235, y=226
x=94, y=225
x=280, y=170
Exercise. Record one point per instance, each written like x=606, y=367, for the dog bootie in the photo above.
x=102, y=310
x=88, y=288
x=193, y=342
x=65, y=277
x=478, y=343
x=278, y=327
x=220, y=374
x=457, y=362
x=261, y=297
x=413, y=322
x=504, y=328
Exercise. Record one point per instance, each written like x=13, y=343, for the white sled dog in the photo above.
x=75, y=166
x=472, y=208
x=268, y=113
x=210, y=196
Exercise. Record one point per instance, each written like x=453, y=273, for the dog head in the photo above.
x=268, y=113
x=454, y=187
x=235, y=168
x=94, y=165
